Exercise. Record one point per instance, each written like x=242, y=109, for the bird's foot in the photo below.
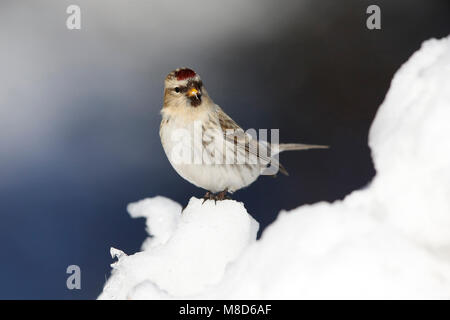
x=223, y=195
x=208, y=196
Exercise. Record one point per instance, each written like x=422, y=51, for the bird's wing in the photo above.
x=245, y=144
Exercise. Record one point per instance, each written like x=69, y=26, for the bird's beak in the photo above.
x=193, y=93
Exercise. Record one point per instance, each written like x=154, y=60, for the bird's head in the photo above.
x=183, y=87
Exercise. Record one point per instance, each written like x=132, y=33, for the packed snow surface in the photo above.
x=390, y=240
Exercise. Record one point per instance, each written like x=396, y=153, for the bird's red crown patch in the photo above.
x=184, y=74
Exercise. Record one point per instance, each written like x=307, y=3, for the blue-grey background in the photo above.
x=79, y=113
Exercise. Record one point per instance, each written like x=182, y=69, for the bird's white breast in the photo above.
x=196, y=160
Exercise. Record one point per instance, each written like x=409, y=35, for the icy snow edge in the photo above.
x=390, y=240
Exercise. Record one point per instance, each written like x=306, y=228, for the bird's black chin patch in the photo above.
x=195, y=101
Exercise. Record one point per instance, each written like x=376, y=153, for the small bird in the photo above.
x=198, y=136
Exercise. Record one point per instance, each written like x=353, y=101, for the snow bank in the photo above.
x=187, y=251
x=390, y=240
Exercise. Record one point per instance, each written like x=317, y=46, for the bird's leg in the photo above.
x=219, y=196
x=223, y=195
x=208, y=196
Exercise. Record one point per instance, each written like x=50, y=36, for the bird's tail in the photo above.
x=299, y=146
x=291, y=147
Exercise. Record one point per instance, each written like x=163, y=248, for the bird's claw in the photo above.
x=223, y=195
x=207, y=196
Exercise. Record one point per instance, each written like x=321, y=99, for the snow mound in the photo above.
x=188, y=250
x=390, y=240
x=410, y=142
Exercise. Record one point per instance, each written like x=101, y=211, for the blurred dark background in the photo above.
x=79, y=113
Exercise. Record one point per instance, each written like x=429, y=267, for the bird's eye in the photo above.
x=177, y=89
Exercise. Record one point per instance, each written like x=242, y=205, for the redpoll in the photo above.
x=205, y=146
